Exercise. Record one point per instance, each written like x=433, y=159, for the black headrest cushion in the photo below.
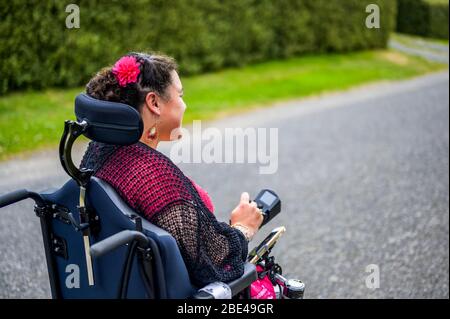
x=109, y=122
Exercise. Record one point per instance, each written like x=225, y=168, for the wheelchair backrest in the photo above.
x=114, y=215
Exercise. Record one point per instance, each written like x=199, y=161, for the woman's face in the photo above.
x=166, y=111
x=172, y=111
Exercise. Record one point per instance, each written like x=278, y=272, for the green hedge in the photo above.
x=428, y=18
x=38, y=51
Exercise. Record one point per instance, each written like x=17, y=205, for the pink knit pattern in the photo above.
x=148, y=184
x=204, y=196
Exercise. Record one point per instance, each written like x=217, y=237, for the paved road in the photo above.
x=431, y=51
x=363, y=176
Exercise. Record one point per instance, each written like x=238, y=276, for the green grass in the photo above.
x=34, y=120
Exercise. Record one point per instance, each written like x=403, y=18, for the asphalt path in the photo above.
x=364, y=180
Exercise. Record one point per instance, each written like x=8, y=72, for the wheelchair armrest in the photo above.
x=237, y=285
x=249, y=276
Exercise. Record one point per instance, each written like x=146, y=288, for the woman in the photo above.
x=153, y=185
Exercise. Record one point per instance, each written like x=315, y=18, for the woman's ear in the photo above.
x=151, y=101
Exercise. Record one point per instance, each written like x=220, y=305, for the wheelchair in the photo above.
x=95, y=245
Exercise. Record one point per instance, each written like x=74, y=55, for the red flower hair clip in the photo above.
x=126, y=70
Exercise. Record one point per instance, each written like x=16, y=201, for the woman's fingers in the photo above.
x=245, y=197
x=247, y=213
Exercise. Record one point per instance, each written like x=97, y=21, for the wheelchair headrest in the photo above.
x=109, y=122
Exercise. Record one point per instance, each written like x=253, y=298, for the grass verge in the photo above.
x=34, y=120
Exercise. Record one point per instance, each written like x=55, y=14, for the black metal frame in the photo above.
x=44, y=212
x=72, y=130
x=146, y=257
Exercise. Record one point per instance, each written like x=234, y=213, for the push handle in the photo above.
x=113, y=242
x=18, y=195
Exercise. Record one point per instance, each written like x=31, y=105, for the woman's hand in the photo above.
x=247, y=214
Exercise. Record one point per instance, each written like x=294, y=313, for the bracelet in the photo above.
x=248, y=234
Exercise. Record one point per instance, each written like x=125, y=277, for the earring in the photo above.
x=152, y=133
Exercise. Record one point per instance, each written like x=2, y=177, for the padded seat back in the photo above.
x=114, y=216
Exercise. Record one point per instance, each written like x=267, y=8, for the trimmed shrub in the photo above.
x=427, y=18
x=38, y=51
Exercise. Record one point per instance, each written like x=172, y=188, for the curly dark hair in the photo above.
x=154, y=76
